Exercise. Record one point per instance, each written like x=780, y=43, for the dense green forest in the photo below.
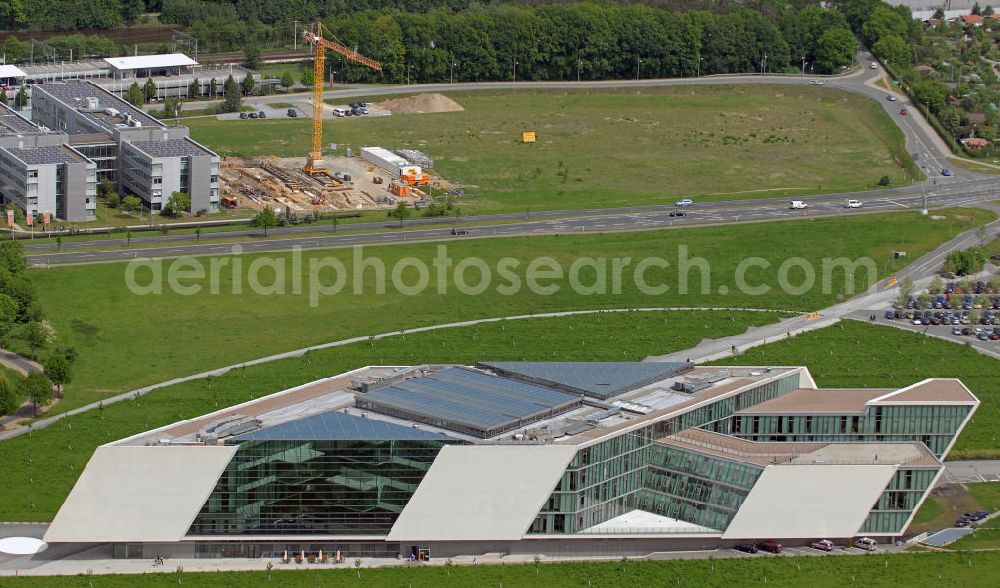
x=431, y=40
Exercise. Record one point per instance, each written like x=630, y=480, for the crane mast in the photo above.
x=314, y=162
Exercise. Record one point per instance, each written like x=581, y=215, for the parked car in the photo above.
x=339, y=112
x=963, y=521
x=769, y=546
x=677, y=213
x=292, y=113
x=684, y=202
x=261, y=114
x=956, y=330
x=866, y=543
x=355, y=104
x=979, y=515
x=816, y=82
x=853, y=204
x=243, y=115
x=946, y=172
x=746, y=547
x=252, y=115
x=822, y=545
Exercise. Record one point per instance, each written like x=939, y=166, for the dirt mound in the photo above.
x=421, y=104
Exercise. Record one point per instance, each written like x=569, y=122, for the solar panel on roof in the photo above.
x=338, y=426
x=598, y=379
x=468, y=401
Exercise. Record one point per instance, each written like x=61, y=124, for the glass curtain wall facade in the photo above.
x=934, y=426
x=697, y=488
x=603, y=481
x=898, y=500
x=315, y=487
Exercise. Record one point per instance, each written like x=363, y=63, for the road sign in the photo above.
x=891, y=282
x=528, y=137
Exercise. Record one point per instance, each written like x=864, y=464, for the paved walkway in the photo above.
x=874, y=301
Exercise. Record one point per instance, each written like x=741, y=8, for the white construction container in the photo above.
x=384, y=159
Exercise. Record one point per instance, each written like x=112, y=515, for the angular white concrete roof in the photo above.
x=482, y=492
x=150, y=61
x=809, y=501
x=139, y=493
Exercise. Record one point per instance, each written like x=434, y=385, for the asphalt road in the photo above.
x=964, y=188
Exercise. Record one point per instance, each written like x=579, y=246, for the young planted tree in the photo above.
x=194, y=89
x=936, y=286
x=131, y=203
x=251, y=56
x=287, y=80
x=35, y=336
x=8, y=315
x=112, y=199
x=400, y=213
x=905, y=290
x=134, y=96
x=59, y=371
x=149, y=90
x=177, y=203
x=38, y=389
x=213, y=88
x=248, y=84
x=265, y=219
x=21, y=98
x=233, y=96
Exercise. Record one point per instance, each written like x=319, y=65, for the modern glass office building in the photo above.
x=566, y=458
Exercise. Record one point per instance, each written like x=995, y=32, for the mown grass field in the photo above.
x=605, y=148
x=39, y=468
x=125, y=340
x=853, y=354
x=914, y=570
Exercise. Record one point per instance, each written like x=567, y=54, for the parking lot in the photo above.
x=964, y=311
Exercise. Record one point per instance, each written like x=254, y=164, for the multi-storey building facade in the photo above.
x=562, y=458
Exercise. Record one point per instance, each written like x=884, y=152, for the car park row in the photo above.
x=770, y=546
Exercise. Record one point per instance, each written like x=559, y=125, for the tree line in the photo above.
x=554, y=41
x=22, y=322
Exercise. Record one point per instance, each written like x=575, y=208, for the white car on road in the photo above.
x=853, y=204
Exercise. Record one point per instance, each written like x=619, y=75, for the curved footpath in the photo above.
x=138, y=392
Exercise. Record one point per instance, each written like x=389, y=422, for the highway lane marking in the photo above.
x=896, y=203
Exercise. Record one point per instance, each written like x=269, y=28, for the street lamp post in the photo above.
x=514, y=78
x=700, y=59
x=579, y=62
x=452, y=75
x=638, y=65
x=803, y=65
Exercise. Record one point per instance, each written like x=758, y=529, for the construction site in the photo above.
x=354, y=182
x=371, y=178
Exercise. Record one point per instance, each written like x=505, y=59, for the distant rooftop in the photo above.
x=150, y=61
x=599, y=379
x=11, y=122
x=171, y=148
x=11, y=71
x=48, y=155
x=75, y=93
x=935, y=390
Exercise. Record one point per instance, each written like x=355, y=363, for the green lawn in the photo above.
x=620, y=147
x=125, y=340
x=40, y=468
x=987, y=494
x=988, y=538
x=854, y=354
x=914, y=570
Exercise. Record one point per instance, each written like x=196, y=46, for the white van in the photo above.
x=797, y=204
x=853, y=204
x=339, y=112
x=866, y=543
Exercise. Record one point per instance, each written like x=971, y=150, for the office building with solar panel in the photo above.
x=563, y=458
x=78, y=125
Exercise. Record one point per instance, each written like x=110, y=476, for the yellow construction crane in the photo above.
x=314, y=163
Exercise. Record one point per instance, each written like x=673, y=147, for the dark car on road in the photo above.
x=746, y=547
x=292, y=113
x=457, y=231
x=677, y=213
